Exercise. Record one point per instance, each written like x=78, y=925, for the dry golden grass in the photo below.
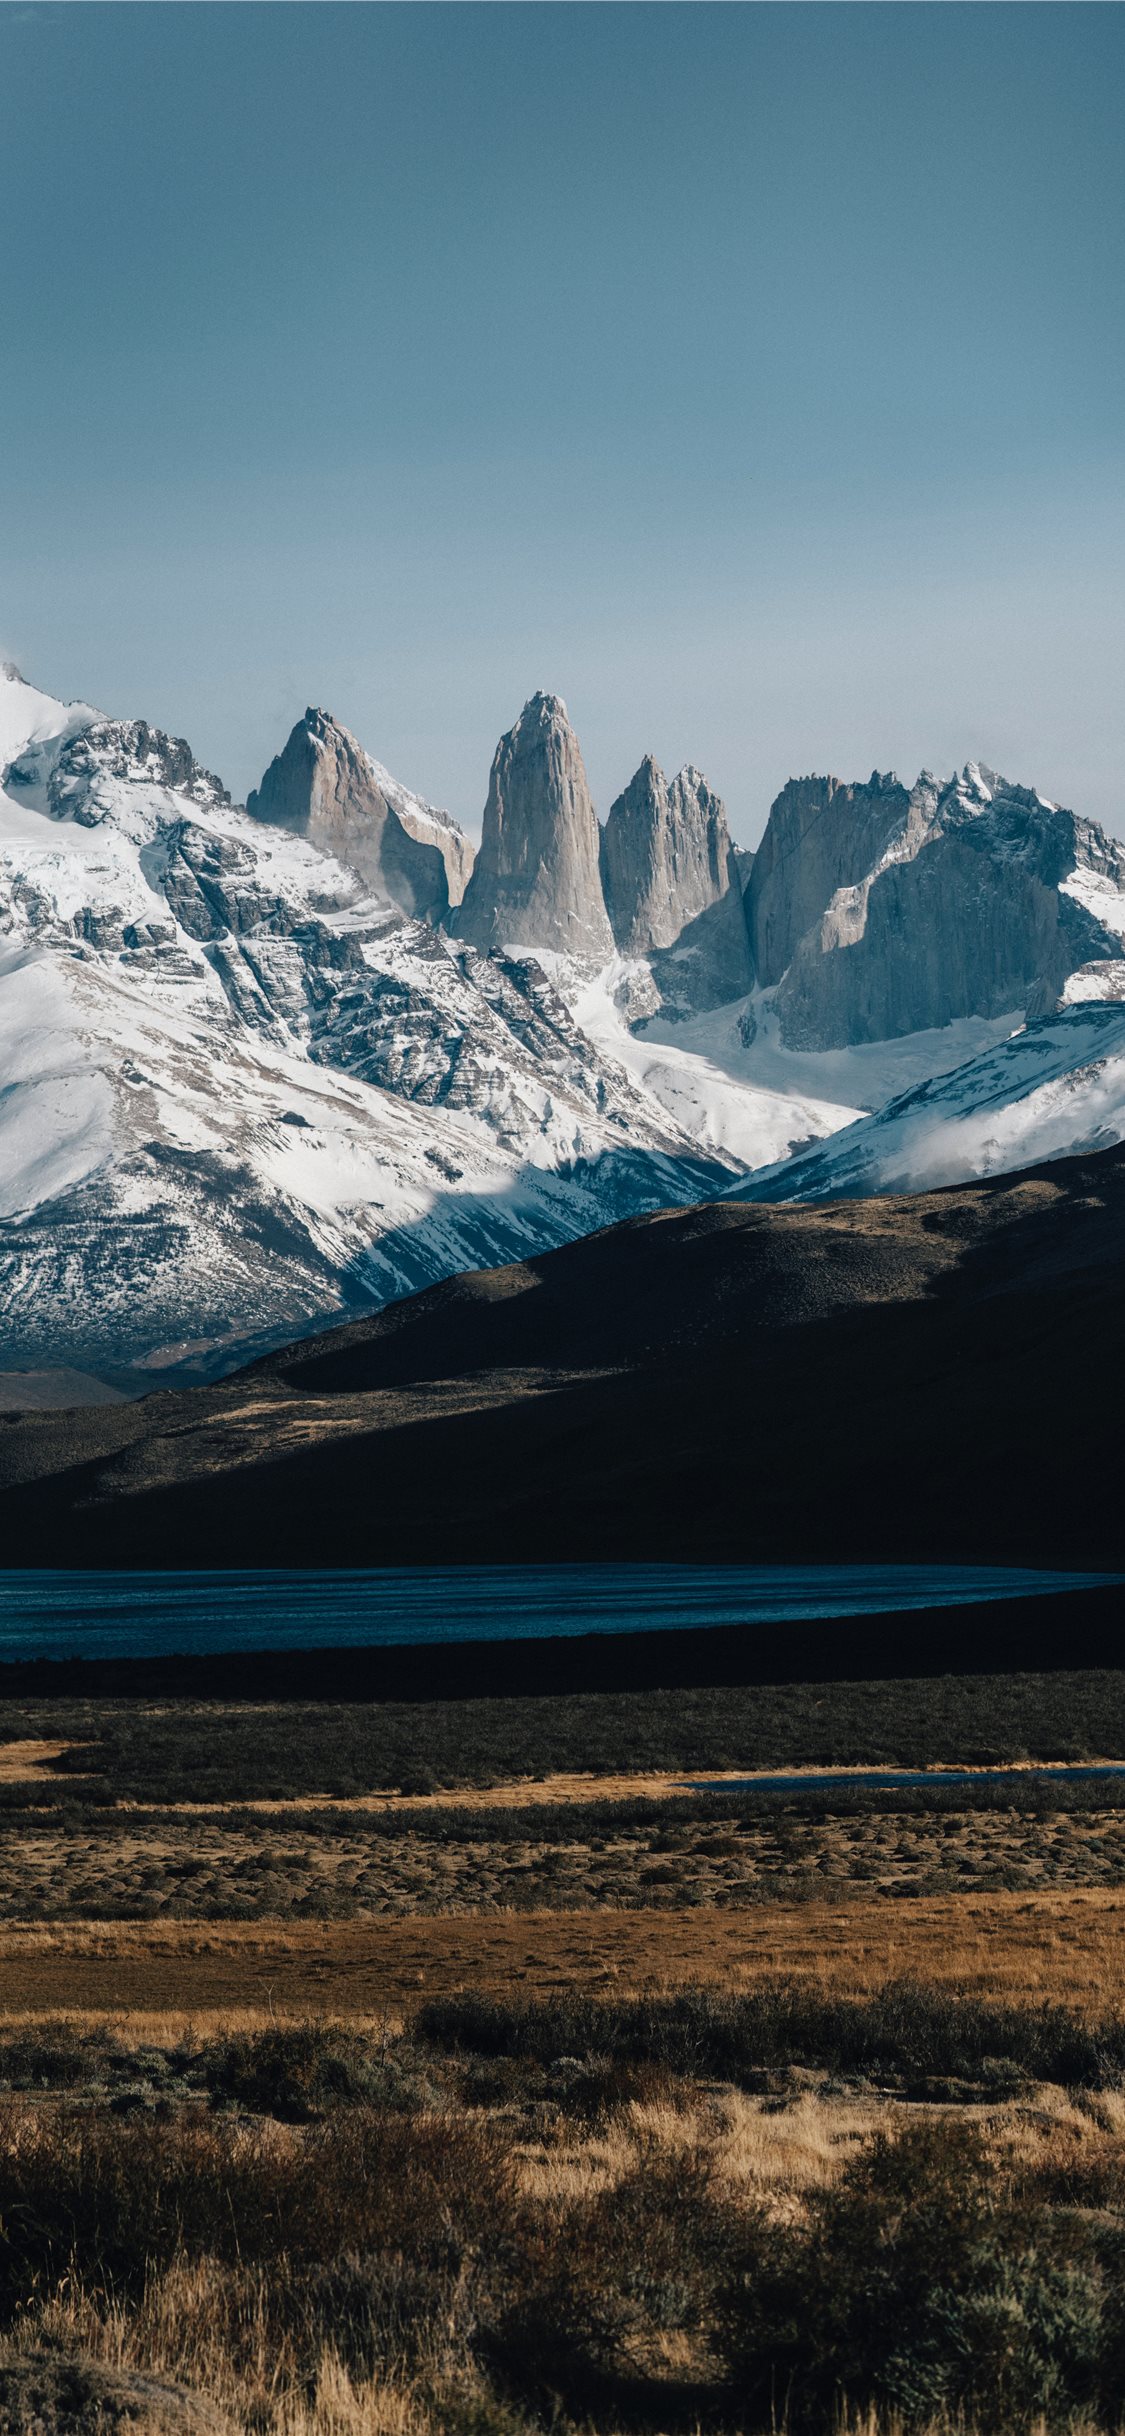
x=1069, y=1947
x=29, y=1758
x=203, y=2331
x=519, y=1794
x=174, y=2339
x=771, y=2153
x=567, y=1787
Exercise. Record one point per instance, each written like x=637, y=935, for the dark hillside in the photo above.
x=932, y=1377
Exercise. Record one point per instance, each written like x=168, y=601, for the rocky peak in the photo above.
x=81, y=776
x=323, y=786
x=665, y=856
x=537, y=882
x=982, y=900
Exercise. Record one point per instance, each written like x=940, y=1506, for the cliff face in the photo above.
x=673, y=889
x=983, y=899
x=665, y=855
x=323, y=786
x=243, y=1093
x=821, y=836
x=536, y=881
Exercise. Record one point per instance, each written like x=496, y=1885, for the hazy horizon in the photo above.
x=749, y=376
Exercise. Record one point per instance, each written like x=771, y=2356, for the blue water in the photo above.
x=57, y=1614
x=878, y=1779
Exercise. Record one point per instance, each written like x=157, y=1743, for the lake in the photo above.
x=60, y=1614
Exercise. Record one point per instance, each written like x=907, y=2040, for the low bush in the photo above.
x=930, y=2284
x=301, y=2073
x=111, y=2200
x=906, y=2031
x=919, y=2287
x=594, y=2286
x=56, y=2058
x=277, y=1747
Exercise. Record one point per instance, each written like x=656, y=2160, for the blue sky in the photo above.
x=751, y=375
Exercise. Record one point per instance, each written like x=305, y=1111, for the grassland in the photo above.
x=245, y=1751
x=457, y=2070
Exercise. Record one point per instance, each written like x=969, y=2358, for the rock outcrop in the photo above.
x=323, y=786
x=821, y=835
x=665, y=855
x=536, y=882
x=673, y=890
x=978, y=898
x=76, y=778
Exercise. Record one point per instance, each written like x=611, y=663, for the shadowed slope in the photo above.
x=932, y=1377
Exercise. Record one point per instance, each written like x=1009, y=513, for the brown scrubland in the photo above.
x=444, y=2088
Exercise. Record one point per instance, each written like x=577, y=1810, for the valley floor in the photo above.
x=426, y=2071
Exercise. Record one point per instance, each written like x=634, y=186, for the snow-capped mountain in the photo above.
x=260, y=1069
x=1053, y=1088
x=240, y=1095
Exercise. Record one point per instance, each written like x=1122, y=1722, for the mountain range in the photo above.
x=263, y=1069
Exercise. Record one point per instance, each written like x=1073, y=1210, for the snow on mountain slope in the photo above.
x=1055, y=1088
x=744, y=1042
x=28, y=717
x=690, y=1069
x=237, y=1097
x=243, y=1092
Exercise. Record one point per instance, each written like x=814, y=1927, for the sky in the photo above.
x=751, y=375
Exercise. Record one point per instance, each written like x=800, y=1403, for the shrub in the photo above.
x=56, y=2058
x=908, y=2031
x=300, y=2073
x=918, y=2287
x=119, y=2198
x=590, y=2288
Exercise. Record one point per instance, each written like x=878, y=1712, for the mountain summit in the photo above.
x=672, y=888
x=260, y=1068
x=243, y=1091
x=536, y=881
x=323, y=786
x=666, y=856
x=875, y=912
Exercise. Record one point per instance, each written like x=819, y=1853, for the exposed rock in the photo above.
x=710, y=962
x=821, y=835
x=78, y=778
x=982, y=898
x=673, y=891
x=323, y=786
x=1103, y=981
x=665, y=855
x=242, y=1095
x=536, y=881
x=212, y=885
